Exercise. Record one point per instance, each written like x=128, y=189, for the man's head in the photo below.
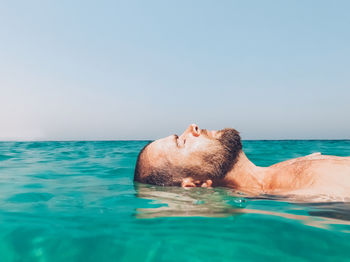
x=196, y=158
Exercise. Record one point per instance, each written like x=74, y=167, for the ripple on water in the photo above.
x=30, y=197
x=34, y=185
x=5, y=157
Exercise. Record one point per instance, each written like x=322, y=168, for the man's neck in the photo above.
x=245, y=176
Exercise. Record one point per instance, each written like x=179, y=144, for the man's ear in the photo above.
x=190, y=182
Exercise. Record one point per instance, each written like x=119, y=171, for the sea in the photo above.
x=76, y=201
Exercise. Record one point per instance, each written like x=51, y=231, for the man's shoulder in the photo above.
x=292, y=161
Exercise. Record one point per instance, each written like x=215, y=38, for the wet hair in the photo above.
x=162, y=176
x=216, y=164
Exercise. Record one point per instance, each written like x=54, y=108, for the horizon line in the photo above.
x=147, y=140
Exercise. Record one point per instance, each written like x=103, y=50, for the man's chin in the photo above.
x=230, y=138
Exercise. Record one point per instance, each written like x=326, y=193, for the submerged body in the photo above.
x=201, y=158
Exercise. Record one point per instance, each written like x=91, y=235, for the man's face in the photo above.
x=197, y=151
x=184, y=150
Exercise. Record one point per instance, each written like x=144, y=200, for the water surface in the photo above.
x=76, y=201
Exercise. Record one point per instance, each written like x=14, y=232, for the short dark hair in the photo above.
x=161, y=176
x=169, y=175
x=139, y=164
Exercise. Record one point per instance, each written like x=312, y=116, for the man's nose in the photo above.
x=192, y=129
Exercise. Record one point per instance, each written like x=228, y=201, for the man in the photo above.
x=201, y=158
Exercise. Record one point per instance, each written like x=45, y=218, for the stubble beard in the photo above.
x=226, y=154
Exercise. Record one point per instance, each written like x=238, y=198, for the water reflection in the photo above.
x=176, y=201
x=222, y=202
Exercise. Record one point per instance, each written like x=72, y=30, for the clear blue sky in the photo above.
x=147, y=69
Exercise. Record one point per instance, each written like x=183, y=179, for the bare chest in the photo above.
x=314, y=176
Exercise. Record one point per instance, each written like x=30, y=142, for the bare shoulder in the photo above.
x=330, y=157
x=297, y=160
x=312, y=174
x=310, y=158
x=317, y=168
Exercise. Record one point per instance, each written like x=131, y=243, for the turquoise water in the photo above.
x=76, y=201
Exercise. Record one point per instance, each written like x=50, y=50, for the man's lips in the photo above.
x=211, y=134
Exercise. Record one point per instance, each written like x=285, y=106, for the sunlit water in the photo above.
x=76, y=201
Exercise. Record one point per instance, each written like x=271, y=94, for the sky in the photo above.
x=110, y=70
